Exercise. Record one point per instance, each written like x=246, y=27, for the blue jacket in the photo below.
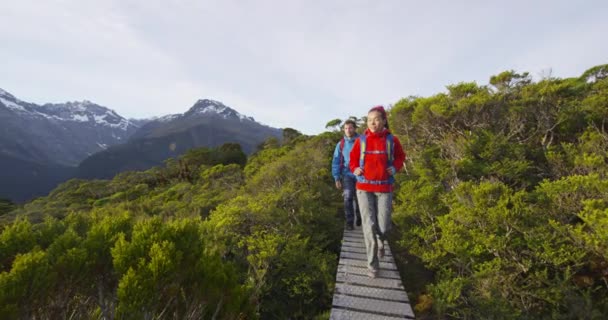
x=335, y=162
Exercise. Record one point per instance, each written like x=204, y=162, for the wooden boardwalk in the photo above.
x=358, y=296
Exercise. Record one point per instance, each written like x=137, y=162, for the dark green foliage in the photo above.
x=6, y=206
x=289, y=135
x=269, y=143
x=596, y=73
x=209, y=235
x=504, y=199
x=334, y=124
x=284, y=230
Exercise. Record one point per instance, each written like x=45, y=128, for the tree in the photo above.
x=510, y=79
x=289, y=135
x=595, y=74
x=359, y=121
x=334, y=125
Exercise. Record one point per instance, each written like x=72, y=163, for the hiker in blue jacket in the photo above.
x=343, y=177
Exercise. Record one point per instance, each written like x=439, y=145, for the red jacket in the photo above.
x=376, y=164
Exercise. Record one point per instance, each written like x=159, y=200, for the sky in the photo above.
x=291, y=63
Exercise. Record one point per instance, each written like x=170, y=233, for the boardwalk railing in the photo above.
x=358, y=296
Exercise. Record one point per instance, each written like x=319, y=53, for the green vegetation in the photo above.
x=6, y=206
x=501, y=213
x=208, y=235
x=504, y=205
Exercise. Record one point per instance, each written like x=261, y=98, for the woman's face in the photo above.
x=375, y=122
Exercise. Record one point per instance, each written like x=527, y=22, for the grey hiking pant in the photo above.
x=376, y=213
x=351, y=207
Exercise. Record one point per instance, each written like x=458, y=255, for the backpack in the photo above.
x=389, y=150
x=341, y=154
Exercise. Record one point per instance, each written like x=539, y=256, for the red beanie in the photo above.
x=379, y=109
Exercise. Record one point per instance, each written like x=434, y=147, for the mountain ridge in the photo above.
x=66, y=135
x=208, y=123
x=76, y=111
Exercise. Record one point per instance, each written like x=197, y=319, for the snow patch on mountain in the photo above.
x=10, y=104
x=208, y=106
x=85, y=112
x=79, y=118
x=72, y=112
x=78, y=105
x=123, y=124
x=211, y=108
x=77, y=111
x=6, y=94
x=168, y=117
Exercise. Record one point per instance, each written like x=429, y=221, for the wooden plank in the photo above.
x=353, y=244
x=363, y=264
x=355, y=233
x=358, y=296
x=392, y=274
x=369, y=292
x=363, y=256
x=353, y=249
x=387, y=252
x=353, y=239
x=386, y=308
x=345, y=314
x=379, y=281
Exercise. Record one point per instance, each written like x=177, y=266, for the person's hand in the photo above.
x=358, y=171
x=338, y=184
x=390, y=170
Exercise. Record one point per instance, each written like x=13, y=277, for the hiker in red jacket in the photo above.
x=375, y=158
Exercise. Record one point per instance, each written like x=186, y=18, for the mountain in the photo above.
x=206, y=111
x=62, y=134
x=208, y=123
x=41, y=145
x=22, y=180
x=138, y=123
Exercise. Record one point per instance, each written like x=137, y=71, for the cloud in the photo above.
x=287, y=63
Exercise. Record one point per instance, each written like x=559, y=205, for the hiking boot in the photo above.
x=372, y=273
x=349, y=226
x=380, y=249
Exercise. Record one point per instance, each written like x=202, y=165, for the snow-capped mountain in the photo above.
x=208, y=123
x=201, y=110
x=211, y=107
x=84, y=111
x=41, y=145
x=62, y=134
x=204, y=112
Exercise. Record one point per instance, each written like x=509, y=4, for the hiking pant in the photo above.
x=350, y=199
x=376, y=213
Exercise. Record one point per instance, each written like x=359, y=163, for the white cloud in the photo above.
x=288, y=64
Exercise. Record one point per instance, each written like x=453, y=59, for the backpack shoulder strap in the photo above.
x=341, y=153
x=390, y=145
x=362, y=146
